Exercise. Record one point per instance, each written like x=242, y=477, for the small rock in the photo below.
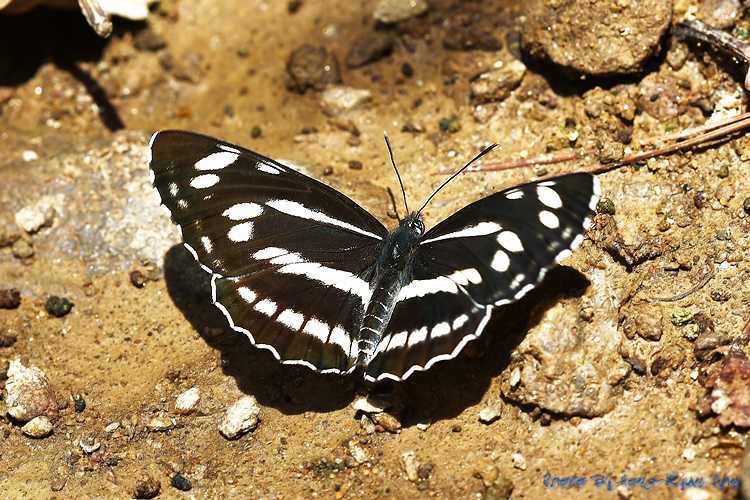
x=160, y=424
x=519, y=462
x=491, y=413
x=725, y=191
x=28, y=393
x=370, y=405
x=38, y=427
x=239, y=418
x=338, y=98
x=58, y=484
x=8, y=233
x=138, y=279
x=181, y=482
x=367, y=50
x=32, y=217
x=187, y=401
x=410, y=465
x=312, y=68
x=497, y=84
x=645, y=319
x=79, y=404
x=394, y=11
x=387, y=421
x=10, y=298
x=112, y=427
x=58, y=306
x=357, y=452
x=147, y=487
x=501, y=489
x=22, y=249
x=89, y=445
x=29, y=155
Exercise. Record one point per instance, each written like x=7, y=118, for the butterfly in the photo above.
x=305, y=272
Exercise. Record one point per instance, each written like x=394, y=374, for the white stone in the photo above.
x=393, y=11
x=339, y=98
x=187, y=401
x=160, y=424
x=241, y=417
x=38, y=427
x=519, y=462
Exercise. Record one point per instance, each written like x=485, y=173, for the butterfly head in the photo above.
x=403, y=240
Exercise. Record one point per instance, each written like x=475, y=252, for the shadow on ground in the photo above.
x=441, y=392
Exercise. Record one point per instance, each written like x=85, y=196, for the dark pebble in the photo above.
x=723, y=172
x=355, y=164
x=10, y=298
x=424, y=471
x=328, y=171
x=637, y=365
x=605, y=206
x=699, y=200
x=7, y=340
x=58, y=306
x=181, y=482
x=451, y=125
x=256, y=131
x=312, y=68
x=147, y=487
x=138, y=279
x=658, y=365
x=80, y=404
x=367, y=50
x=293, y=6
x=746, y=205
x=407, y=70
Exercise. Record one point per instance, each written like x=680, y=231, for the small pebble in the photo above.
x=355, y=164
x=394, y=11
x=239, y=418
x=160, y=424
x=746, y=205
x=29, y=155
x=58, y=484
x=80, y=404
x=38, y=427
x=10, y=298
x=519, y=462
x=58, y=306
x=181, y=482
x=491, y=413
x=357, y=452
x=187, y=401
x=138, y=279
x=147, y=487
x=337, y=99
x=89, y=445
x=410, y=465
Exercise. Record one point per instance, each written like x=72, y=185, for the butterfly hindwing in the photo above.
x=289, y=255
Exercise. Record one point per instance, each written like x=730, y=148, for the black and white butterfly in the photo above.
x=308, y=274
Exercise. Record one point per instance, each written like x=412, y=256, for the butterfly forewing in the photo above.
x=290, y=256
x=489, y=253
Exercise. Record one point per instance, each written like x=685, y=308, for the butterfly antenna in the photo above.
x=486, y=150
x=393, y=162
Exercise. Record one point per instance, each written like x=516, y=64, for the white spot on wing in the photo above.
x=263, y=167
x=204, y=181
x=398, y=340
x=440, y=330
x=266, y=306
x=515, y=194
x=418, y=336
x=247, y=295
x=242, y=211
x=510, y=241
x=340, y=338
x=216, y=161
x=419, y=288
x=182, y=203
x=342, y=280
x=500, y=262
x=173, y=189
x=549, y=219
x=269, y=253
x=460, y=321
x=296, y=209
x=548, y=196
x=481, y=229
x=315, y=328
x=465, y=276
x=291, y=319
x=241, y=232
x=207, y=245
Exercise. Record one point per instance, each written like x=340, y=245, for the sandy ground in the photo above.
x=591, y=375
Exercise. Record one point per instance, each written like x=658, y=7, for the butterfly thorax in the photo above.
x=392, y=272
